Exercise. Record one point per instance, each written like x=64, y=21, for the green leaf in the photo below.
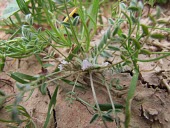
x=2, y=63
x=120, y=33
x=23, y=111
x=66, y=24
x=152, y=19
x=145, y=29
x=127, y=62
x=39, y=59
x=23, y=6
x=151, y=2
x=123, y=35
x=2, y=93
x=30, y=124
x=123, y=6
x=2, y=66
x=51, y=107
x=130, y=96
x=23, y=76
x=136, y=43
x=72, y=83
x=145, y=51
x=2, y=100
x=102, y=42
x=106, y=54
x=123, y=57
x=107, y=117
x=43, y=88
x=133, y=8
x=75, y=21
x=106, y=107
x=133, y=3
x=15, y=114
x=8, y=121
x=29, y=19
x=134, y=19
x=115, y=31
x=93, y=11
x=111, y=21
x=108, y=33
x=162, y=1
x=47, y=65
x=30, y=94
x=109, y=111
x=158, y=12
x=94, y=118
x=61, y=1
x=158, y=36
x=113, y=48
x=21, y=86
x=76, y=49
x=18, y=79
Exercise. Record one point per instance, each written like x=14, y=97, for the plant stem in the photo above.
x=94, y=93
x=130, y=96
x=110, y=96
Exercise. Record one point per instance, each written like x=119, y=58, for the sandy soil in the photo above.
x=150, y=106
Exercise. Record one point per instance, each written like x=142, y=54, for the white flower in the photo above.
x=28, y=17
x=85, y=65
x=105, y=64
x=64, y=62
x=60, y=66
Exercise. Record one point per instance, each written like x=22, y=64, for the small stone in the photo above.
x=152, y=111
x=56, y=55
x=139, y=97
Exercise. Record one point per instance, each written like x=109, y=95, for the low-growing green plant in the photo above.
x=153, y=2
x=77, y=34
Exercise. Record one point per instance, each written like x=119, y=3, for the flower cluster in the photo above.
x=63, y=62
x=86, y=65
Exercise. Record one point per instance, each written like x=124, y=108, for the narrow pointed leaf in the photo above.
x=18, y=79
x=113, y=48
x=106, y=107
x=24, y=76
x=94, y=118
x=107, y=117
x=43, y=88
x=145, y=29
x=157, y=36
x=51, y=107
